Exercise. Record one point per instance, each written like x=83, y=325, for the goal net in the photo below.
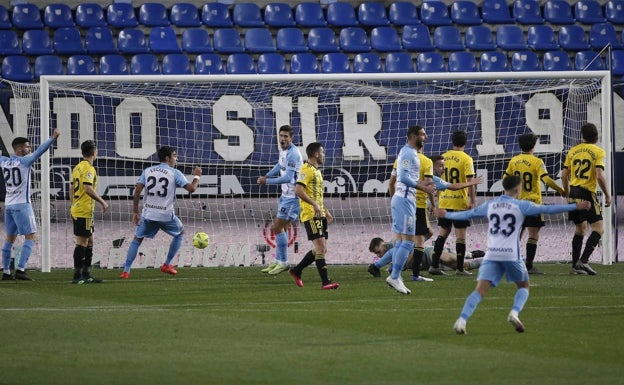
x=229, y=126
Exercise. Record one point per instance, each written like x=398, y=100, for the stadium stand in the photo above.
x=614, y=11
x=403, y=13
x=196, y=40
x=573, y=38
x=479, y=38
x=163, y=40
x=184, y=15
x=588, y=12
x=5, y=20
x=588, y=61
x=90, y=15
x=341, y=14
x=527, y=12
x=430, y=62
x=48, y=65
x=496, y=12
x=304, y=63
x=335, y=63
x=462, y=62
x=17, y=68
x=216, y=15
x=58, y=16
x=121, y=15
x=494, y=61
x=372, y=14
x=465, y=13
x=510, y=38
x=240, y=63
x=271, y=63
x=176, y=64
x=435, y=13
x=227, y=40
x=9, y=43
x=525, y=61
x=399, y=62
x=68, y=41
x=81, y=65
x=209, y=64
x=153, y=15
x=259, y=40
x=448, y=38
x=26, y=16
x=385, y=39
x=322, y=39
x=290, y=40
x=37, y=42
x=556, y=61
x=279, y=15
x=144, y=64
x=247, y=15
x=99, y=40
x=367, y=62
x=416, y=38
x=558, y=12
x=354, y=39
x=541, y=38
x=113, y=65
x=310, y=15
x=132, y=41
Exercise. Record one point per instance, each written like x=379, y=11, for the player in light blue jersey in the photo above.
x=288, y=166
x=505, y=216
x=19, y=217
x=160, y=183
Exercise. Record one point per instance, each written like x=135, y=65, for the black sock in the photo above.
x=577, y=245
x=418, y=255
x=87, y=261
x=590, y=245
x=305, y=262
x=79, y=255
x=531, y=249
x=321, y=266
x=460, y=248
x=438, y=246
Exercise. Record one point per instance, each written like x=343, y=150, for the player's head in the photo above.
x=167, y=154
x=527, y=142
x=438, y=165
x=88, y=148
x=413, y=132
x=459, y=138
x=511, y=184
x=589, y=133
x=315, y=152
x=376, y=246
x=286, y=134
x=21, y=146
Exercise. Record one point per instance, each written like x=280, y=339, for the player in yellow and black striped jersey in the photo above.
x=582, y=172
x=532, y=172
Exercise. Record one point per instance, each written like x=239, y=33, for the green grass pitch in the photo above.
x=238, y=326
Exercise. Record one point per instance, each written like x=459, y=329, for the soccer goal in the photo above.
x=229, y=126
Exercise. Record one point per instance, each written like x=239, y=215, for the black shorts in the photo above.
x=534, y=221
x=83, y=227
x=594, y=214
x=448, y=223
x=316, y=228
x=422, y=222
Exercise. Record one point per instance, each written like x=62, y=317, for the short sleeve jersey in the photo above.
x=426, y=171
x=311, y=179
x=459, y=167
x=408, y=165
x=161, y=182
x=290, y=160
x=531, y=170
x=582, y=161
x=83, y=205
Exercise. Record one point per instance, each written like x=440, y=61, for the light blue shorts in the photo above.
x=493, y=271
x=288, y=208
x=148, y=228
x=403, y=215
x=20, y=219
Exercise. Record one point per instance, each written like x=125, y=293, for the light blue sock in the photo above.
x=6, y=256
x=386, y=259
x=281, y=252
x=132, y=253
x=174, y=247
x=470, y=305
x=27, y=248
x=522, y=295
x=403, y=249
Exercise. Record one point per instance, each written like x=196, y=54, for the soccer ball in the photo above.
x=200, y=240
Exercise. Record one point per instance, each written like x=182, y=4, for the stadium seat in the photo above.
x=510, y=38
x=614, y=11
x=573, y=38
x=176, y=64
x=372, y=14
x=335, y=63
x=354, y=39
x=556, y=61
x=465, y=13
x=9, y=43
x=121, y=15
x=479, y=38
x=184, y=15
x=16, y=68
x=617, y=62
x=310, y=15
x=216, y=15
x=588, y=12
x=81, y=65
x=525, y=61
x=403, y=13
x=144, y=64
x=279, y=15
x=558, y=12
x=527, y=12
x=58, y=16
x=304, y=63
x=259, y=40
x=341, y=14
x=227, y=40
x=153, y=15
x=588, y=61
x=434, y=13
x=99, y=40
x=132, y=41
x=496, y=12
x=322, y=39
x=37, y=42
x=385, y=39
x=290, y=39
x=240, y=63
x=462, y=62
x=448, y=38
x=196, y=40
x=430, y=62
x=494, y=61
x=48, y=65
x=367, y=62
x=90, y=15
x=399, y=62
x=603, y=34
x=416, y=38
x=247, y=15
x=113, y=65
x=209, y=64
x=26, y=16
x=5, y=20
x=541, y=38
x=271, y=63
x=68, y=41
x=163, y=40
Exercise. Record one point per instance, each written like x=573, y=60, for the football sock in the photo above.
x=307, y=260
x=522, y=295
x=531, y=249
x=438, y=246
x=321, y=266
x=79, y=254
x=281, y=251
x=402, y=252
x=470, y=305
x=26, y=252
x=577, y=245
x=87, y=261
x=460, y=248
x=590, y=245
x=386, y=259
x=174, y=247
x=133, y=250
x=6, y=257
x=418, y=255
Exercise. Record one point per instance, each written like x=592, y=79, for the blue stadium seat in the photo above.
x=465, y=13
x=430, y=62
x=527, y=12
x=48, y=65
x=196, y=40
x=240, y=63
x=153, y=15
x=385, y=39
x=462, y=62
x=403, y=13
x=525, y=61
x=341, y=14
x=16, y=68
x=144, y=64
x=26, y=16
x=510, y=38
x=90, y=15
x=5, y=20
x=113, y=65
x=448, y=38
x=556, y=61
x=603, y=34
x=588, y=61
x=322, y=39
x=216, y=15
x=279, y=15
x=541, y=38
x=614, y=11
x=227, y=40
x=558, y=12
x=58, y=16
x=435, y=13
x=209, y=64
x=121, y=15
x=81, y=65
x=494, y=61
x=588, y=12
x=335, y=63
x=68, y=41
x=354, y=39
x=184, y=15
x=496, y=12
x=176, y=64
x=163, y=40
x=9, y=43
x=99, y=40
x=271, y=63
x=416, y=38
x=372, y=14
x=132, y=41
x=247, y=15
x=367, y=62
x=573, y=38
x=479, y=38
x=617, y=62
x=310, y=15
x=399, y=62
x=37, y=42
x=290, y=39
x=304, y=63
x=259, y=40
